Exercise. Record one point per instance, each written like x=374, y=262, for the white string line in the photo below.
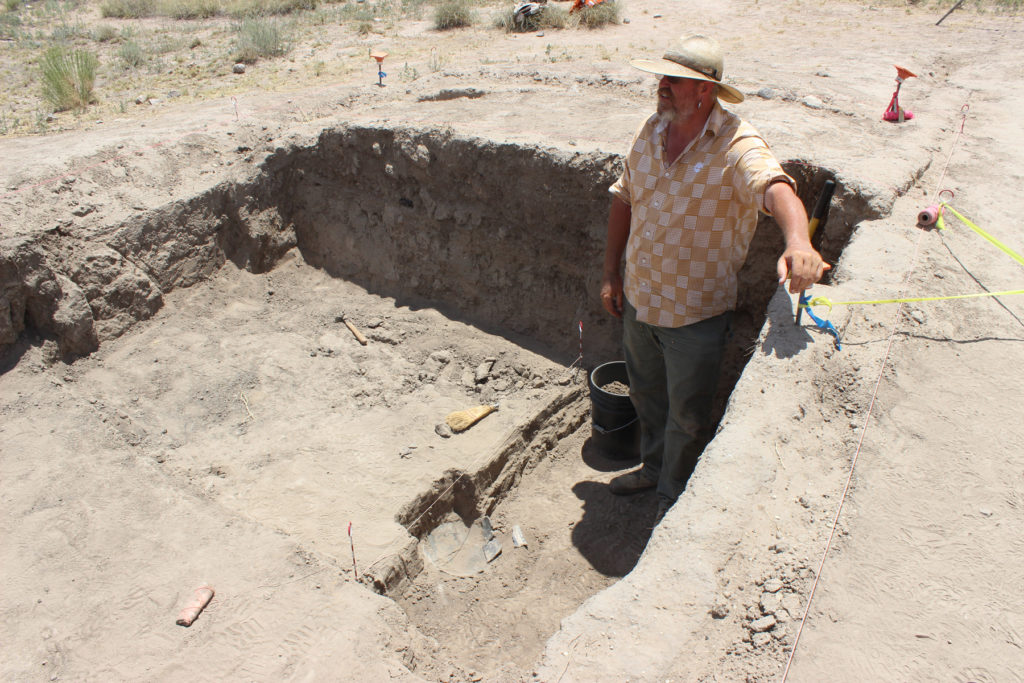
x=867, y=417
x=964, y=110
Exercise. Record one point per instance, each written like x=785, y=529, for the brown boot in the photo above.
x=629, y=483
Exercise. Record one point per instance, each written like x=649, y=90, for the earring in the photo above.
x=699, y=104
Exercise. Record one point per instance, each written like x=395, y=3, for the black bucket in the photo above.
x=615, y=430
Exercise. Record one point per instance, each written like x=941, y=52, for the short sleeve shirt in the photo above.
x=692, y=220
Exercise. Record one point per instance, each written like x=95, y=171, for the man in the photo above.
x=684, y=212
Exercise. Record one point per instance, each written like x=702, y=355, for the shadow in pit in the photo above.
x=614, y=530
x=596, y=459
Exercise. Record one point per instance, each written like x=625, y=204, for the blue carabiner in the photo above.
x=824, y=325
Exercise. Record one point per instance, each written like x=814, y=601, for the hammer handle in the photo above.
x=820, y=209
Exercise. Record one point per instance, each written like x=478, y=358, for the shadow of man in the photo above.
x=614, y=530
x=784, y=338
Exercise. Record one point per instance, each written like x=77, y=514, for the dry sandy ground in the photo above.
x=233, y=436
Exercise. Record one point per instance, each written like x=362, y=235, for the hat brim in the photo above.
x=664, y=67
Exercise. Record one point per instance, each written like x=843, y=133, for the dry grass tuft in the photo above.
x=259, y=39
x=68, y=78
x=607, y=12
x=453, y=14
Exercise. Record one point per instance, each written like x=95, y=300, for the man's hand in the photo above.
x=799, y=263
x=618, y=232
x=802, y=266
x=611, y=294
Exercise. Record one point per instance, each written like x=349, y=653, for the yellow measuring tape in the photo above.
x=940, y=224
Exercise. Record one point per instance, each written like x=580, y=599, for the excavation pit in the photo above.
x=468, y=266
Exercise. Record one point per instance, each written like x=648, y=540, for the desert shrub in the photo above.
x=599, y=15
x=132, y=55
x=452, y=14
x=257, y=39
x=68, y=78
x=191, y=9
x=104, y=33
x=412, y=9
x=127, y=9
x=264, y=8
x=12, y=5
x=10, y=26
x=65, y=32
x=168, y=43
x=551, y=16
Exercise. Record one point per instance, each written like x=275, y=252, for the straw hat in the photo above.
x=696, y=57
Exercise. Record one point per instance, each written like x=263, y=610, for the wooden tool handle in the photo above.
x=358, y=335
x=821, y=208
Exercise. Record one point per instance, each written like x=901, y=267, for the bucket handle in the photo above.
x=602, y=430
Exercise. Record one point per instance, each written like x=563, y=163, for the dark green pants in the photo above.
x=673, y=373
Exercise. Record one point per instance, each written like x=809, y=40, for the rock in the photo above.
x=468, y=380
x=770, y=603
x=765, y=623
x=985, y=512
x=625, y=20
x=761, y=639
x=773, y=585
x=792, y=603
x=782, y=616
x=238, y=68
x=418, y=154
x=766, y=93
x=719, y=611
x=813, y=102
x=918, y=317
x=73, y=320
x=443, y=430
x=484, y=370
x=779, y=547
x=442, y=357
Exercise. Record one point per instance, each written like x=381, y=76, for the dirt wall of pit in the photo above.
x=507, y=237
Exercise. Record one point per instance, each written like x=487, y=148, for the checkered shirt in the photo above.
x=692, y=220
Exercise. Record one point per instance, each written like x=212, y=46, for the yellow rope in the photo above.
x=825, y=301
